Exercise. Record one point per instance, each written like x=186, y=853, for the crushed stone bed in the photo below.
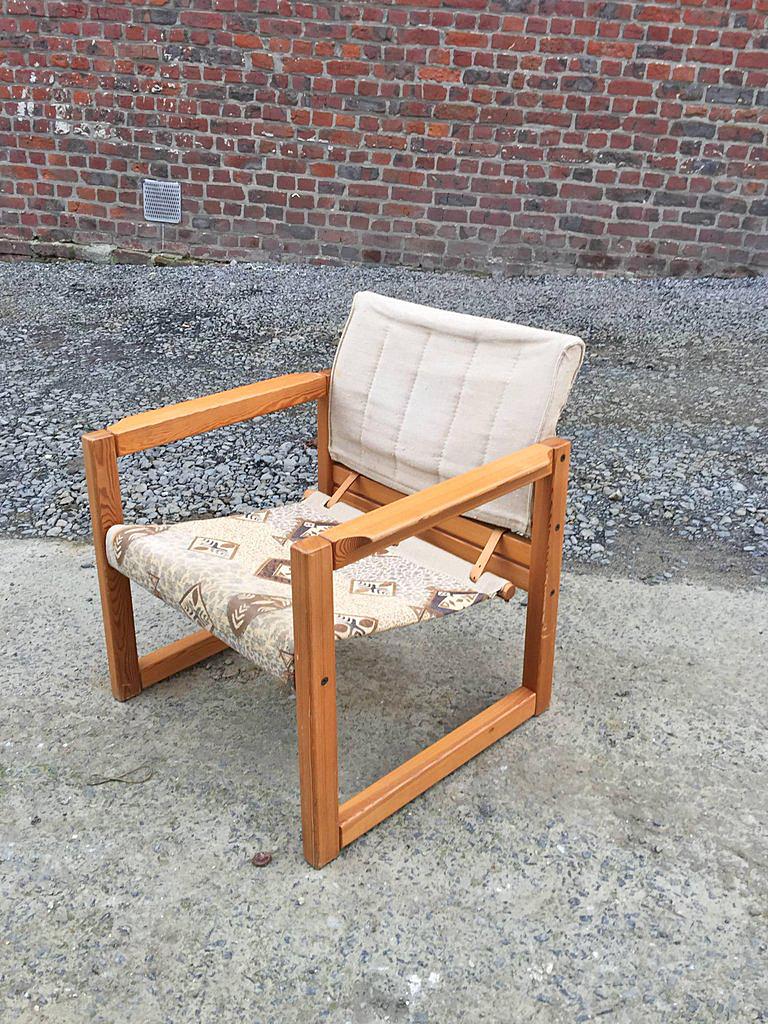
x=668, y=416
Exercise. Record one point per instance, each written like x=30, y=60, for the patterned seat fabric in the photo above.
x=232, y=576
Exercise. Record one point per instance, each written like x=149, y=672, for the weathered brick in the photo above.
x=718, y=201
x=582, y=225
x=695, y=129
x=731, y=95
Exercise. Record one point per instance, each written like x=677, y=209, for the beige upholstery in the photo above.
x=232, y=576
x=419, y=395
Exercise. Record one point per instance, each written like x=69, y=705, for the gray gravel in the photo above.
x=668, y=417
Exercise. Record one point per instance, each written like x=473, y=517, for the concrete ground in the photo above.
x=606, y=861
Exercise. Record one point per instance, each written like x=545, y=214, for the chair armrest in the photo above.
x=173, y=422
x=417, y=512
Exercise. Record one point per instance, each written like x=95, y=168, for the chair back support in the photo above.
x=419, y=395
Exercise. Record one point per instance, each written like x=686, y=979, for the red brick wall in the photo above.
x=493, y=135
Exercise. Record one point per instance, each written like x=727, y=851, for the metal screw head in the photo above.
x=324, y=681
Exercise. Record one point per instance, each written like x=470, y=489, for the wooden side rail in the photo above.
x=177, y=656
x=391, y=792
x=416, y=513
x=173, y=422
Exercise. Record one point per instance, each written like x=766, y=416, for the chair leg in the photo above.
x=100, y=455
x=548, y=524
x=315, y=673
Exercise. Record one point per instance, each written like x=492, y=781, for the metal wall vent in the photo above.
x=162, y=201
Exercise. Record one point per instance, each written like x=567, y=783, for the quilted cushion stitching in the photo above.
x=497, y=410
x=370, y=386
x=452, y=422
x=408, y=400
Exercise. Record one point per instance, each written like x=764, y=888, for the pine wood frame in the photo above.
x=434, y=514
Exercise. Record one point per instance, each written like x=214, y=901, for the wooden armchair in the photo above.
x=429, y=400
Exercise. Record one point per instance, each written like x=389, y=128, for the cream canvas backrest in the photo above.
x=419, y=395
